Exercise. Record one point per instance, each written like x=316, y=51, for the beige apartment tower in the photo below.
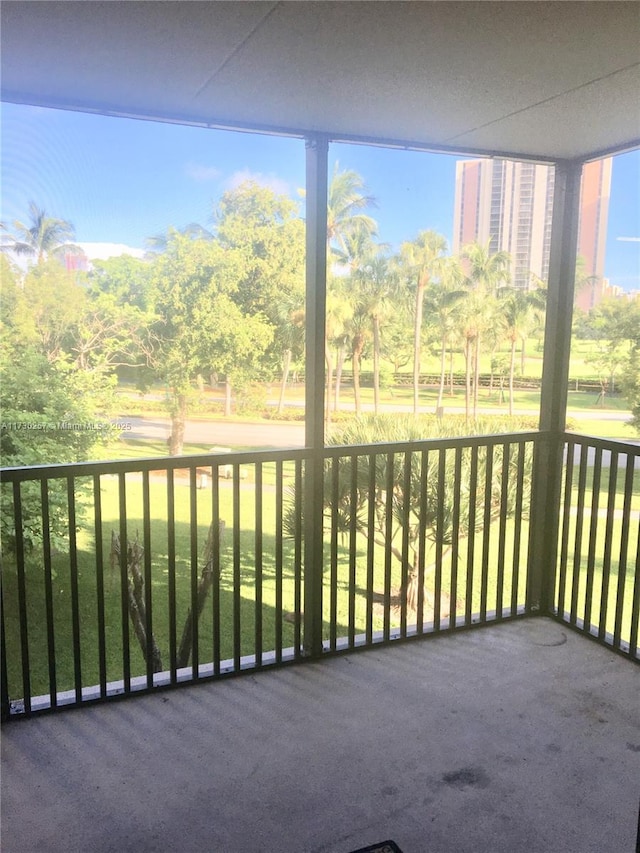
x=508, y=204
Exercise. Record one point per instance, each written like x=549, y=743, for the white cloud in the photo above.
x=270, y=181
x=628, y=239
x=200, y=172
x=102, y=251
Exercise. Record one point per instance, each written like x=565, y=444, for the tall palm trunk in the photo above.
x=476, y=370
x=376, y=363
x=467, y=387
x=512, y=368
x=443, y=370
x=338, y=385
x=356, y=352
x=451, y=372
x=417, y=334
x=329, y=362
x=285, y=376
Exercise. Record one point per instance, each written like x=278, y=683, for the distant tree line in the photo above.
x=228, y=303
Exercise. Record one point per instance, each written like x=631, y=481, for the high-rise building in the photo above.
x=508, y=204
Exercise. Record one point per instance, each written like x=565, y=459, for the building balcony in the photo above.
x=520, y=736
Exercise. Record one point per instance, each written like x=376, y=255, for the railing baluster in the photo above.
x=473, y=497
x=148, y=601
x=608, y=544
x=437, y=585
x=624, y=546
x=48, y=591
x=517, y=528
x=75, y=602
x=5, y=709
x=215, y=567
x=387, y=545
x=193, y=575
x=371, y=495
x=258, y=564
x=297, y=559
x=99, y=546
x=279, y=567
x=237, y=577
x=502, y=532
x=333, y=552
x=635, y=610
x=353, y=518
x=171, y=569
x=422, y=538
x=22, y=598
x=124, y=582
x=455, y=537
x=593, y=537
x=577, y=550
x=279, y=552
x=406, y=510
x=566, y=524
x=486, y=531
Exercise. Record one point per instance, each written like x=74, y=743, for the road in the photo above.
x=241, y=434
x=221, y=433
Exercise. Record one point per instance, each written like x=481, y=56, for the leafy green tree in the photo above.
x=51, y=412
x=265, y=228
x=290, y=334
x=125, y=278
x=49, y=303
x=615, y=326
x=199, y=324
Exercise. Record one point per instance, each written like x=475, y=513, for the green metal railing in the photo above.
x=597, y=579
x=122, y=577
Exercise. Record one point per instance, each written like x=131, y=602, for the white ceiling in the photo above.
x=556, y=80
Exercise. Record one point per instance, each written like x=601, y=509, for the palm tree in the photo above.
x=42, y=235
x=423, y=260
x=521, y=310
x=345, y=200
x=338, y=316
x=485, y=273
x=348, y=231
x=442, y=305
x=161, y=242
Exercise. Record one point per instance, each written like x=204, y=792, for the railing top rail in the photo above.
x=632, y=448
x=431, y=444
x=157, y=463
x=207, y=460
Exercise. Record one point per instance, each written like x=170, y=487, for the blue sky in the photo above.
x=121, y=181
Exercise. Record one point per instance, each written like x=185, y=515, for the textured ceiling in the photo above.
x=556, y=80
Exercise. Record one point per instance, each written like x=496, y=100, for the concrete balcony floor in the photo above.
x=519, y=737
